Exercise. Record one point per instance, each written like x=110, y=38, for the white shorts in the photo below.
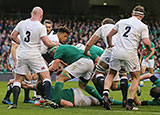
x=81, y=100
x=81, y=68
x=131, y=65
x=35, y=65
x=106, y=56
x=149, y=63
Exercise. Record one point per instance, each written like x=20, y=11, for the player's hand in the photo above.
x=56, y=43
x=145, y=52
x=146, y=59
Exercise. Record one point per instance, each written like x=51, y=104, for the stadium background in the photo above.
x=83, y=17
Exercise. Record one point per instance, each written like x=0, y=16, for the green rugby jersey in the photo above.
x=66, y=94
x=96, y=51
x=69, y=54
x=152, y=46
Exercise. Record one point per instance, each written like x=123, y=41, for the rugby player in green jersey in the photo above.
x=79, y=66
x=147, y=61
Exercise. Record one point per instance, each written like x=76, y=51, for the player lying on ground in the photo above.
x=69, y=97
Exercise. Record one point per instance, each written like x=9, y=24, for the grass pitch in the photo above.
x=30, y=109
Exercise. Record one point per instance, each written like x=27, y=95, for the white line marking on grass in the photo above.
x=111, y=111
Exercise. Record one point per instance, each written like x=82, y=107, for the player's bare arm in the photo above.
x=14, y=37
x=48, y=42
x=109, y=37
x=147, y=43
x=152, y=53
x=91, y=42
x=13, y=51
x=65, y=103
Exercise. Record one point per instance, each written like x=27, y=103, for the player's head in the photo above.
x=49, y=25
x=138, y=11
x=63, y=33
x=80, y=46
x=37, y=13
x=107, y=21
x=155, y=92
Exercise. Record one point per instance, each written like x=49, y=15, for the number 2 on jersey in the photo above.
x=127, y=28
x=27, y=38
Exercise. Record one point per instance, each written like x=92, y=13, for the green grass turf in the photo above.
x=30, y=109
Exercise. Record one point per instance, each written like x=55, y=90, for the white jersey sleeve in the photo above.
x=145, y=33
x=116, y=26
x=17, y=28
x=43, y=31
x=103, y=31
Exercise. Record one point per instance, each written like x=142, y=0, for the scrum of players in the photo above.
x=37, y=51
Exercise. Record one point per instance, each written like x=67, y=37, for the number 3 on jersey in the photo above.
x=27, y=38
x=127, y=28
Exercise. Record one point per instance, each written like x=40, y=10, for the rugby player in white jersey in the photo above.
x=29, y=56
x=61, y=36
x=129, y=33
x=12, y=62
x=103, y=64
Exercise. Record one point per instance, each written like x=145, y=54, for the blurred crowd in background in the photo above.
x=82, y=29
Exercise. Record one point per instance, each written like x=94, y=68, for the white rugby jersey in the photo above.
x=53, y=38
x=103, y=31
x=130, y=32
x=30, y=38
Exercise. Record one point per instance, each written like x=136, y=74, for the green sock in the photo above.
x=119, y=87
x=157, y=82
x=115, y=102
x=58, y=89
x=89, y=89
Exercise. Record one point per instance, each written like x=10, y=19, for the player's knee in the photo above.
x=100, y=68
